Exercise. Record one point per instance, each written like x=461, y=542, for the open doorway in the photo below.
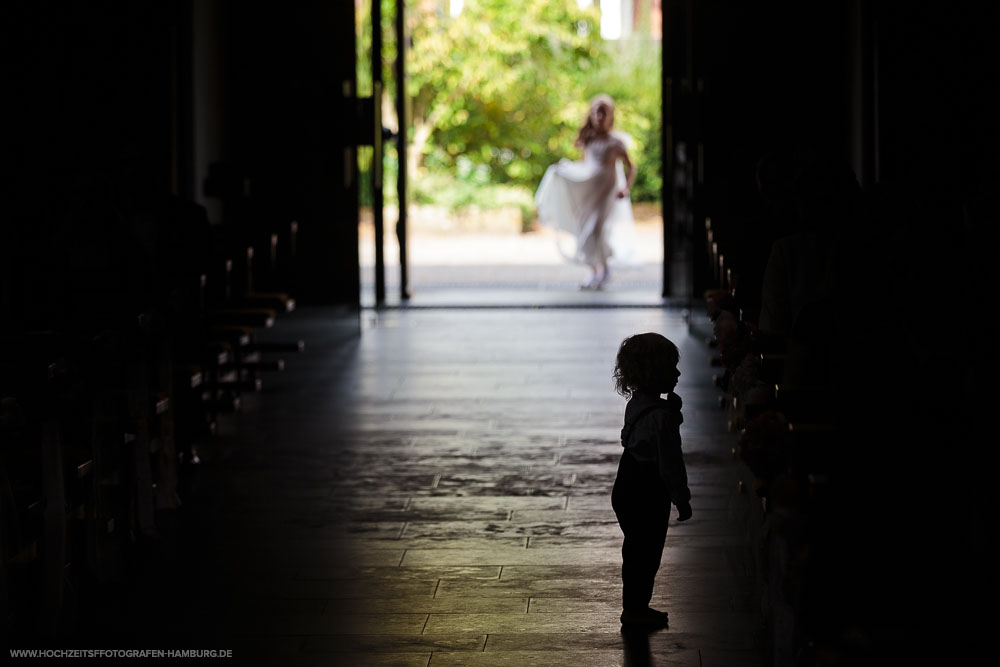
x=497, y=91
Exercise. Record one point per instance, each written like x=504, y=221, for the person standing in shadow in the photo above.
x=651, y=473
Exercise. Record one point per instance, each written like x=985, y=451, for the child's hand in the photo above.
x=623, y=193
x=684, y=512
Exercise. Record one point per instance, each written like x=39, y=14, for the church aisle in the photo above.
x=436, y=492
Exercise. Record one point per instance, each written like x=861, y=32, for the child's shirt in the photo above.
x=652, y=433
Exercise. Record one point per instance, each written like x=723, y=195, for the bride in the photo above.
x=590, y=199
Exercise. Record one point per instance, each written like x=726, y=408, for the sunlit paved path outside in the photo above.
x=503, y=268
x=436, y=491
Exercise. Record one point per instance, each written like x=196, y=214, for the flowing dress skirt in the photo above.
x=580, y=199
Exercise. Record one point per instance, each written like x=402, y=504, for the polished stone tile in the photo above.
x=487, y=503
x=394, y=573
x=578, y=587
x=555, y=641
x=595, y=515
x=665, y=598
x=522, y=623
x=322, y=557
x=662, y=642
x=333, y=624
x=464, y=529
x=432, y=605
x=706, y=502
x=557, y=571
x=482, y=542
x=366, y=659
x=672, y=575
x=393, y=643
x=612, y=540
x=532, y=658
x=441, y=485
x=660, y=648
x=326, y=589
x=511, y=556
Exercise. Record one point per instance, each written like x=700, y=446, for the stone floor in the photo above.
x=510, y=268
x=431, y=487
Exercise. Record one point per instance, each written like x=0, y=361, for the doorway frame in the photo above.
x=676, y=76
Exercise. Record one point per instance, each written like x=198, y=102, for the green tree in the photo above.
x=497, y=94
x=498, y=86
x=633, y=80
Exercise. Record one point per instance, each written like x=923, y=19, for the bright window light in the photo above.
x=611, y=19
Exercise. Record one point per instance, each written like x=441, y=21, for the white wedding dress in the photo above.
x=581, y=199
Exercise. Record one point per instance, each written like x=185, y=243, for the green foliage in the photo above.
x=444, y=189
x=390, y=169
x=488, y=84
x=634, y=83
x=363, y=31
x=498, y=93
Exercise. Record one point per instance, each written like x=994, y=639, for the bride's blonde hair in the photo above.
x=588, y=131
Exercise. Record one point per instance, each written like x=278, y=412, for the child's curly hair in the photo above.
x=642, y=362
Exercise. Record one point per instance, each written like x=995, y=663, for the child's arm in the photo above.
x=673, y=471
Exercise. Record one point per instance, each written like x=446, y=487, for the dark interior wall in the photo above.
x=905, y=93
x=748, y=79
x=902, y=92
x=936, y=149
x=288, y=135
x=937, y=73
x=113, y=362
x=932, y=72
x=775, y=74
x=114, y=105
x=938, y=146
x=207, y=95
x=91, y=84
x=91, y=129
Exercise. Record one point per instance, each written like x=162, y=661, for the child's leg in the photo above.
x=643, y=514
x=642, y=549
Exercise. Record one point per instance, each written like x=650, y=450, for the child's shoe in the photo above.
x=648, y=618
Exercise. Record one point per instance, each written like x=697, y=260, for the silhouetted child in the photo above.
x=651, y=473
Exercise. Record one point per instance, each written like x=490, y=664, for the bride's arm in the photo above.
x=629, y=173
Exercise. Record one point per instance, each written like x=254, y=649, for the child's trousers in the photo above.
x=641, y=502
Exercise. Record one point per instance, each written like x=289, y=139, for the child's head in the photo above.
x=600, y=119
x=646, y=362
